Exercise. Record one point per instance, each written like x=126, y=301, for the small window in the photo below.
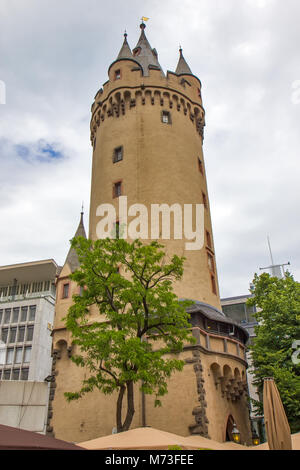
x=27, y=354
x=118, y=154
x=10, y=356
x=213, y=284
x=23, y=314
x=117, y=229
x=117, y=189
x=200, y=166
x=15, y=317
x=204, y=199
x=32, y=310
x=6, y=374
x=211, y=264
x=4, y=335
x=15, y=374
x=65, y=294
x=19, y=353
x=13, y=335
x=1, y=315
x=136, y=51
x=7, y=315
x=208, y=239
x=21, y=334
x=29, y=333
x=166, y=117
x=24, y=374
x=117, y=74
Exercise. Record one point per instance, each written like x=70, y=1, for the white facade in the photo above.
x=27, y=308
x=24, y=405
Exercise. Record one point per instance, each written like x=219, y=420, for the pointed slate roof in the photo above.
x=125, y=52
x=72, y=258
x=144, y=54
x=182, y=66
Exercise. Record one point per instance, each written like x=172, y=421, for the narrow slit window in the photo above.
x=118, y=154
x=204, y=199
x=117, y=74
x=211, y=263
x=65, y=294
x=166, y=117
x=208, y=239
x=117, y=189
x=200, y=166
x=213, y=284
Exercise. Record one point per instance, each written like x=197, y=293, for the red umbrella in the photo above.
x=19, y=439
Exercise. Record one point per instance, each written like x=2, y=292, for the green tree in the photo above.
x=143, y=324
x=278, y=301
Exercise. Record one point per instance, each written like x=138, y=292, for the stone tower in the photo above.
x=147, y=137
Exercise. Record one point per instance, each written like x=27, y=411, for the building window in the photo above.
x=29, y=333
x=2, y=355
x=118, y=154
x=7, y=315
x=117, y=189
x=4, y=335
x=204, y=199
x=23, y=314
x=12, y=335
x=3, y=291
x=25, y=288
x=19, y=353
x=32, y=310
x=1, y=315
x=208, y=239
x=15, y=317
x=10, y=356
x=213, y=284
x=37, y=287
x=117, y=74
x=200, y=166
x=15, y=374
x=65, y=294
x=21, y=334
x=116, y=231
x=136, y=51
x=27, y=354
x=211, y=263
x=166, y=117
x=6, y=374
x=24, y=374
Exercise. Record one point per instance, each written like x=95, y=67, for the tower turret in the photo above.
x=125, y=52
x=144, y=54
x=182, y=66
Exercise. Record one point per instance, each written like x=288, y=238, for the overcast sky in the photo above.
x=54, y=56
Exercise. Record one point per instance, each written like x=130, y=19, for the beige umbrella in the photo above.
x=277, y=426
x=295, y=444
x=151, y=438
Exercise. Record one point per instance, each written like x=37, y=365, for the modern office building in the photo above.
x=27, y=299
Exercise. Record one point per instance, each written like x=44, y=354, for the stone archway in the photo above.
x=229, y=428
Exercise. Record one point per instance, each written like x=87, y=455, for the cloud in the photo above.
x=55, y=56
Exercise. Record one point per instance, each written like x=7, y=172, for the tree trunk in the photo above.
x=119, y=408
x=130, y=406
